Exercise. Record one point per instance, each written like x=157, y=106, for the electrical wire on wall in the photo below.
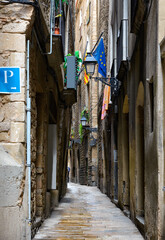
x=27, y=2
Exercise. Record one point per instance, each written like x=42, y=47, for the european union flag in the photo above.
x=99, y=55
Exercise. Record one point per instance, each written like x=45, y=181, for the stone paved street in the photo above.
x=86, y=213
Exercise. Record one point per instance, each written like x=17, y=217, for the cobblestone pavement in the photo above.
x=86, y=213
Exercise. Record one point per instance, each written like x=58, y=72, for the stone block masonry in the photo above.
x=11, y=41
x=15, y=22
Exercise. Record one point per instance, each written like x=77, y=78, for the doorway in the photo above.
x=125, y=154
x=140, y=162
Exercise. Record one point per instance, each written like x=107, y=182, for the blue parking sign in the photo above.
x=10, y=80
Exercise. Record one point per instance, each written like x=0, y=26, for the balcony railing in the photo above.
x=122, y=46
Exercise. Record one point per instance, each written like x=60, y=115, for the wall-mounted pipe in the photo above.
x=28, y=133
x=125, y=29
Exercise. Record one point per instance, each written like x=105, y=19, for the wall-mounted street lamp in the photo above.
x=90, y=63
x=93, y=141
x=85, y=126
x=83, y=121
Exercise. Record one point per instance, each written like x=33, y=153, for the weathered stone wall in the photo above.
x=153, y=135
x=87, y=94
x=102, y=135
x=161, y=77
x=15, y=28
x=39, y=133
x=16, y=21
x=44, y=95
x=140, y=130
x=63, y=140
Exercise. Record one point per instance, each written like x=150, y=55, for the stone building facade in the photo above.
x=25, y=37
x=130, y=140
x=83, y=156
x=132, y=169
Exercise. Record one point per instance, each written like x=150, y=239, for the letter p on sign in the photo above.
x=10, y=80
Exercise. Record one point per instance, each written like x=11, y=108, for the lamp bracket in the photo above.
x=90, y=129
x=113, y=81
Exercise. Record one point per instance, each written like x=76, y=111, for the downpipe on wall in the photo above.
x=28, y=139
x=125, y=29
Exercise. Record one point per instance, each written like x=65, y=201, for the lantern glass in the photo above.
x=90, y=68
x=90, y=63
x=83, y=121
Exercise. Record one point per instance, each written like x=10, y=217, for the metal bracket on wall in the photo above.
x=91, y=129
x=112, y=83
x=33, y=3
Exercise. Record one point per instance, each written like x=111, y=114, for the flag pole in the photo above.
x=97, y=42
x=85, y=51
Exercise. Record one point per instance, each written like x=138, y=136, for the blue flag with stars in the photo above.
x=99, y=55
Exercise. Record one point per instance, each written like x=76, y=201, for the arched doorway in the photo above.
x=140, y=161
x=125, y=153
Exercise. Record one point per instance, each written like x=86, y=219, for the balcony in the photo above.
x=58, y=42
x=50, y=38
x=51, y=41
x=122, y=49
x=138, y=9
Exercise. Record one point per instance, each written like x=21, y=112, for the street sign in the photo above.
x=10, y=80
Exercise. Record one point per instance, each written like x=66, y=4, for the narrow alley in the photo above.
x=82, y=98
x=82, y=215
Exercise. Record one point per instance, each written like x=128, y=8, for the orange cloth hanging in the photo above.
x=86, y=78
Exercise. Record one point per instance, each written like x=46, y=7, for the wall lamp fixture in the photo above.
x=90, y=63
x=85, y=126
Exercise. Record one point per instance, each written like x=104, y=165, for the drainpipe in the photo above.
x=28, y=139
x=125, y=29
x=51, y=13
